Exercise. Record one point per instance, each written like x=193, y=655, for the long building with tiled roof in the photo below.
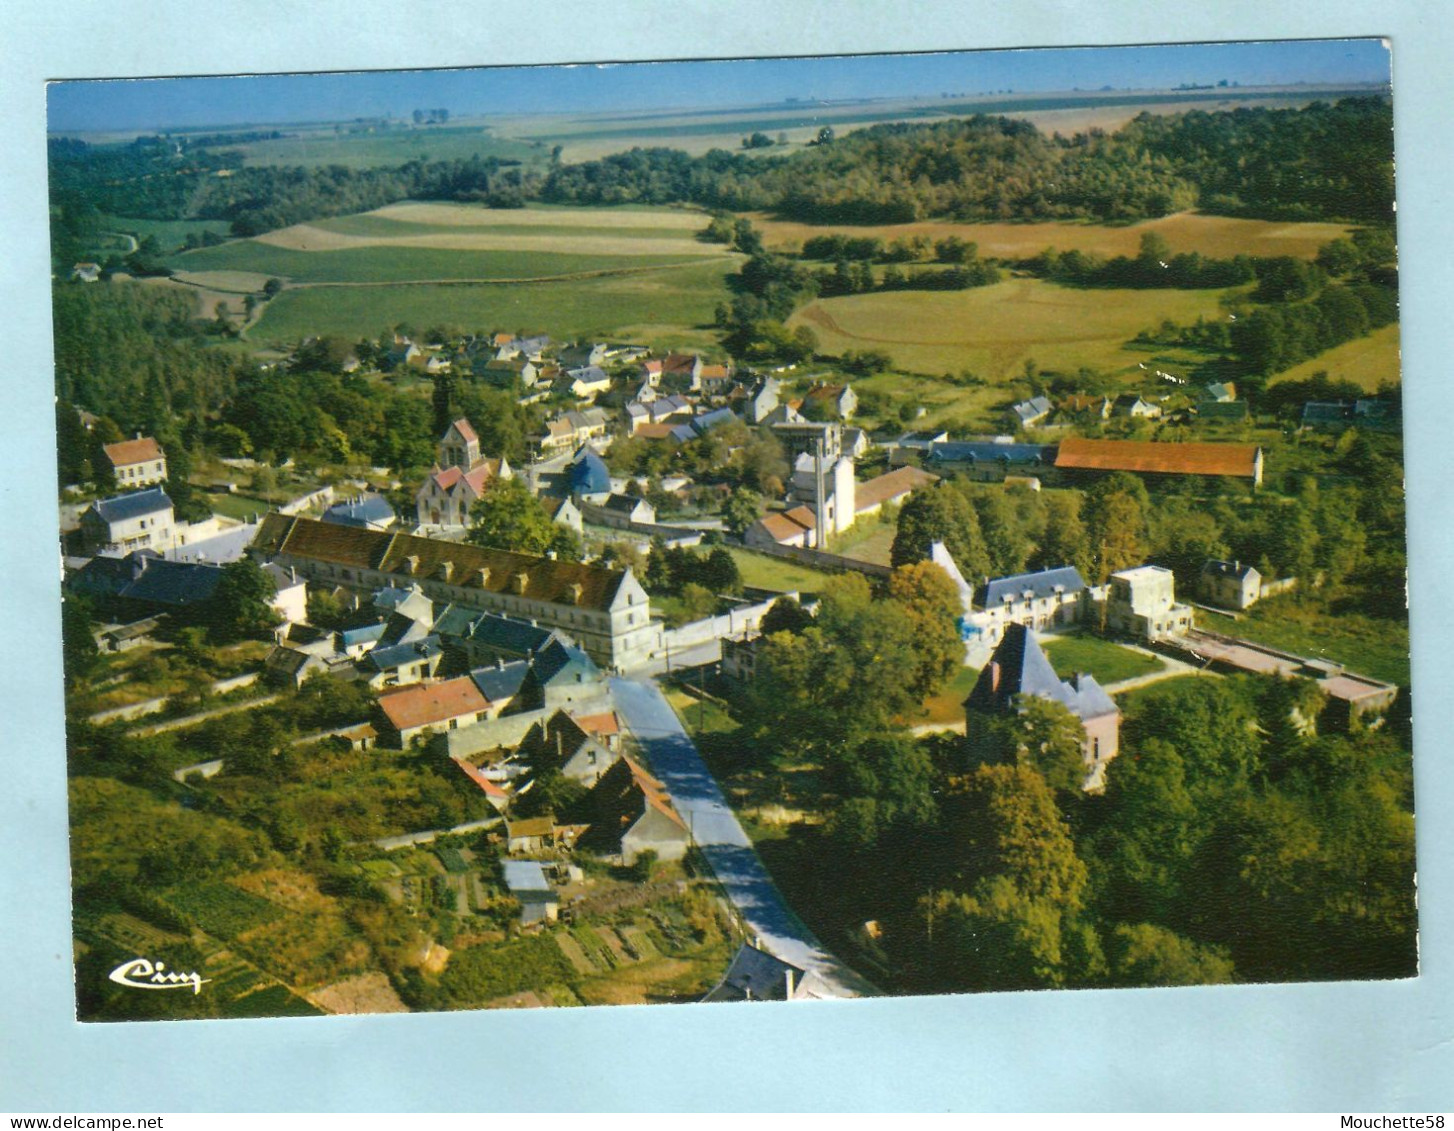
x=1243, y=461
x=606, y=610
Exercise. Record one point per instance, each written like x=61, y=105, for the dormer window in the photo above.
x=446, y=570
x=411, y=564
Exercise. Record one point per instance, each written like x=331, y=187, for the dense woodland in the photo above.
x=1325, y=162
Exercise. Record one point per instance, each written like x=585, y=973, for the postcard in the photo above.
x=733, y=531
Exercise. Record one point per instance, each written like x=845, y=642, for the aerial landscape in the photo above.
x=749, y=531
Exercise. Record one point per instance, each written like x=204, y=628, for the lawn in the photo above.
x=1107, y=662
x=867, y=540
x=171, y=234
x=679, y=300
x=765, y=572
x=1368, y=362
x=243, y=507
x=393, y=264
x=948, y=706
x=993, y=331
x=1367, y=645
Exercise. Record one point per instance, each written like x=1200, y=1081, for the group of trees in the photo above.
x=508, y=517
x=1349, y=533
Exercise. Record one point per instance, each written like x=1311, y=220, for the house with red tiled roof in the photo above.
x=834, y=401
x=1241, y=461
x=136, y=463
x=459, y=478
x=783, y=528
x=632, y=813
x=410, y=712
x=890, y=489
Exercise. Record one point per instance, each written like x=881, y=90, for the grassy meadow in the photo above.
x=671, y=305
x=992, y=331
x=1368, y=362
x=329, y=145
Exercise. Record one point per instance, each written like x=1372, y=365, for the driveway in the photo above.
x=675, y=760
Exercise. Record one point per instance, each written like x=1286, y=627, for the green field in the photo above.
x=326, y=146
x=673, y=305
x=371, y=225
x=947, y=708
x=403, y=264
x=221, y=909
x=766, y=572
x=992, y=331
x=1366, y=645
x=1107, y=662
x=1368, y=362
x=171, y=234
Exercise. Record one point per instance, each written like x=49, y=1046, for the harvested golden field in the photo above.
x=476, y=216
x=993, y=331
x=1220, y=237
x=1369, y=362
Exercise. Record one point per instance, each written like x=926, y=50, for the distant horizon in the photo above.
x=115, y=105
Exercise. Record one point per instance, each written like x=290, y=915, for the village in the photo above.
x=553, y=688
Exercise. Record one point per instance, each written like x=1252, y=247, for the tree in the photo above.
x=1143, y=954
x=241, y=607
x=1045, y=736
x=1115, y=518
x=509, y=517
x=785, y=615
x=742, y=509
x=932, y=606
x=940, y=514
x=78, y=646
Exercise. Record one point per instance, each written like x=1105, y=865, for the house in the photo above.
x=561, y=745
x=136, y=463
x=484, y=638
x=86, y=272
x=411, y=712
x=1049, y=598
x=402, y=352
x=1027, y=414
x=531, y=349
x=623, y=509
x=1221, y=392
x=1142, y=602
x=372, y=512
x=565, y=512
x=1232, y=585
x=890, y=489
x=291, y=666
x=571, y=429
x=507, y=374
x=921, y=441
x=583, y=355
x=681, y=369
x=290, y=601
x=499, y=683
x=989, y=458
x=460, y=478
x=588, y=474
x=631, y=813
x=393, y=665
x=606, y=609
x=1086, y=405
x=525, y=880
x=762, y=400
x=756, y=975
x=143, y=583
x=1133, y=405
x=834, y=401
x=1243, y=461
x=783, y=528
x=559, y=675
x=1018, y=668
x=856, y=442
x=585, y=383
x=141, y=520
x=715, y=380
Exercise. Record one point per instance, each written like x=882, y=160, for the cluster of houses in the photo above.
x=1216, y=401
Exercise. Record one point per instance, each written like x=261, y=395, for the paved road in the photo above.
x=675, y=760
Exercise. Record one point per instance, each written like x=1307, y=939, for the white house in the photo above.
x=137, y=463
x=141, y=520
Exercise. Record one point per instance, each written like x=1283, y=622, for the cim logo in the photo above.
x=143, y=974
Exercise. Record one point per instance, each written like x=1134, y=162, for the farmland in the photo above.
x=386, y=145
x=992, y=331
x=673, y=305
x=1368, y=362
x=1219, y=237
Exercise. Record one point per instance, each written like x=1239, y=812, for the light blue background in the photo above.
x=1350, y=1047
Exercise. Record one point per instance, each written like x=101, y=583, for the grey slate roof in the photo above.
x=1019, y=667
x=525, y=877
x=495, y=630
x=119, y=508
x=589, y=473
x=714, y=419
x=384, y=658
x=367, y=634
x=990, y=452
x=1046, y=583
x=1238, y=570
x=1032, y=409
x=501, y=681
x=560, y=660
x=755, y=975
x=624, y=504
x=144, y=576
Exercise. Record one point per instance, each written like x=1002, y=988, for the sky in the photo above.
x=163, y=103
